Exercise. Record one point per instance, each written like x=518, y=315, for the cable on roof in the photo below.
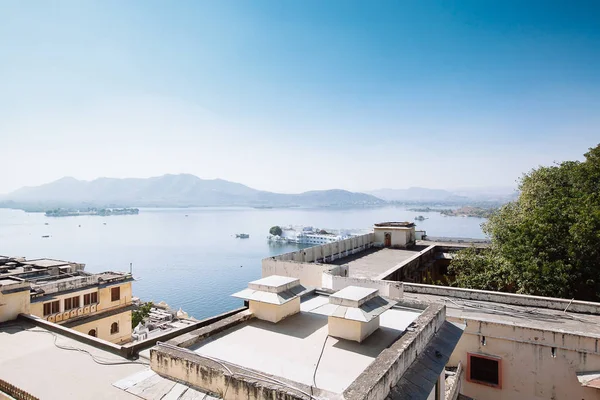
x=317, y=366
x=96, y=359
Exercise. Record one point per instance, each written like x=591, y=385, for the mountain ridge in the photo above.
x=180, y=190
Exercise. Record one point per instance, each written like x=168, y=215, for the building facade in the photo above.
x=98, y=305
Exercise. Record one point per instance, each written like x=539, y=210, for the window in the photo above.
x=90, y=298
x=55, y=306
x=71, y=303
x=47, y=309
x=115, y=294
x=92, y=332
x=484, y=370
x=114, y=328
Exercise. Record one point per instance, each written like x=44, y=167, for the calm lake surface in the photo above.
x=194, y=261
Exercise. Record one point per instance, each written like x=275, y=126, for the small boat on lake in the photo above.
x=242, y=235
x=45, y=236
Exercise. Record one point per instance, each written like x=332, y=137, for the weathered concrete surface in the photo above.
x=375, y=382
x=373, y=262
x=226, y=381
x=541, y=349
x=148, y=385
x=30, y=360
x=291, y=348
x=197, y=335
x=503, y=298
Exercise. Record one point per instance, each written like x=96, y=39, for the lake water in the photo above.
x=194, y=261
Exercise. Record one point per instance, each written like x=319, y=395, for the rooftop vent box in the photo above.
x=353, y=312
x=273, y=298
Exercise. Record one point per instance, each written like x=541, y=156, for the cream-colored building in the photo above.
x=394, y=234
x=513, y=346
x=61, y=292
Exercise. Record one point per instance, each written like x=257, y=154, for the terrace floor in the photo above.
x=291, y=348
x=375, y=261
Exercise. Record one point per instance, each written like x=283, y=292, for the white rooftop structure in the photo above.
x=273, y=289
x=273, y=298
x=355, y=303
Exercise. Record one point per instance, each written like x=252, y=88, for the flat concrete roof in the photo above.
x=46, y=262
x=290, y=349
x=372, y=262
x=32, y=362
x=523, y=316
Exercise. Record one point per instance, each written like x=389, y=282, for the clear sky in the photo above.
x=296, y=95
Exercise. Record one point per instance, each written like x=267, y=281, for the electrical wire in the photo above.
x=317, y=366
x=96, y=359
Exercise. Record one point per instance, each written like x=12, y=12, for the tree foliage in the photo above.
x=547, y=242
x=142, y=312
x=276, y=230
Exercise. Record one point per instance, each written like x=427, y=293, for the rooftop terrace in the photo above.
x=374, y=261
x=33, y=361
x=291, y=348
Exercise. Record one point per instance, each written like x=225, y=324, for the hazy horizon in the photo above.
x=474, y=188
x=295, y=96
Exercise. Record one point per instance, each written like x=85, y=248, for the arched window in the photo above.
x=92, y=332
x=114, y=328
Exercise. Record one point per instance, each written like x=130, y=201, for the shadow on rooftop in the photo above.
x=300, y=325
x=372, y=346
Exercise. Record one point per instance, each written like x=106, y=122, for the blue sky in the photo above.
x=297, y=95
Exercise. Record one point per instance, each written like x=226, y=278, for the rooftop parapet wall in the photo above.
x=229, y=381
x=387, y=369
x=328, y=252
x=81, y=281
x=294, y=264
x=406, y=269
x=585, y=307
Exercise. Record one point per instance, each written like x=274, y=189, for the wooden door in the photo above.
x=388, y=240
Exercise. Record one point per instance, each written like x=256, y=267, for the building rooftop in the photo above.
x=290, y=349
x=542, y=318
x=403, y=224
x=47, y=262
x=33, y=361
x=372, y=262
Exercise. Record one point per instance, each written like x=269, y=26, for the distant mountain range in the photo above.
x=182, y=190
x=459, y=196
x=185, y=190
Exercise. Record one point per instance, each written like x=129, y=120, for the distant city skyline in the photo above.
x=296, y=96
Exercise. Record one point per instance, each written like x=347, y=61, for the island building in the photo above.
x=62, y=292
x=344, y=320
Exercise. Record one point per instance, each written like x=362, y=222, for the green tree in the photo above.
x=142, y=312
x=275, y=230
x=547, y=242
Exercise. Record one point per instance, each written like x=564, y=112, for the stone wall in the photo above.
x=310, y=264
x=227, y=381
x=387, y=369
x=506, y=298
x=409, y=270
